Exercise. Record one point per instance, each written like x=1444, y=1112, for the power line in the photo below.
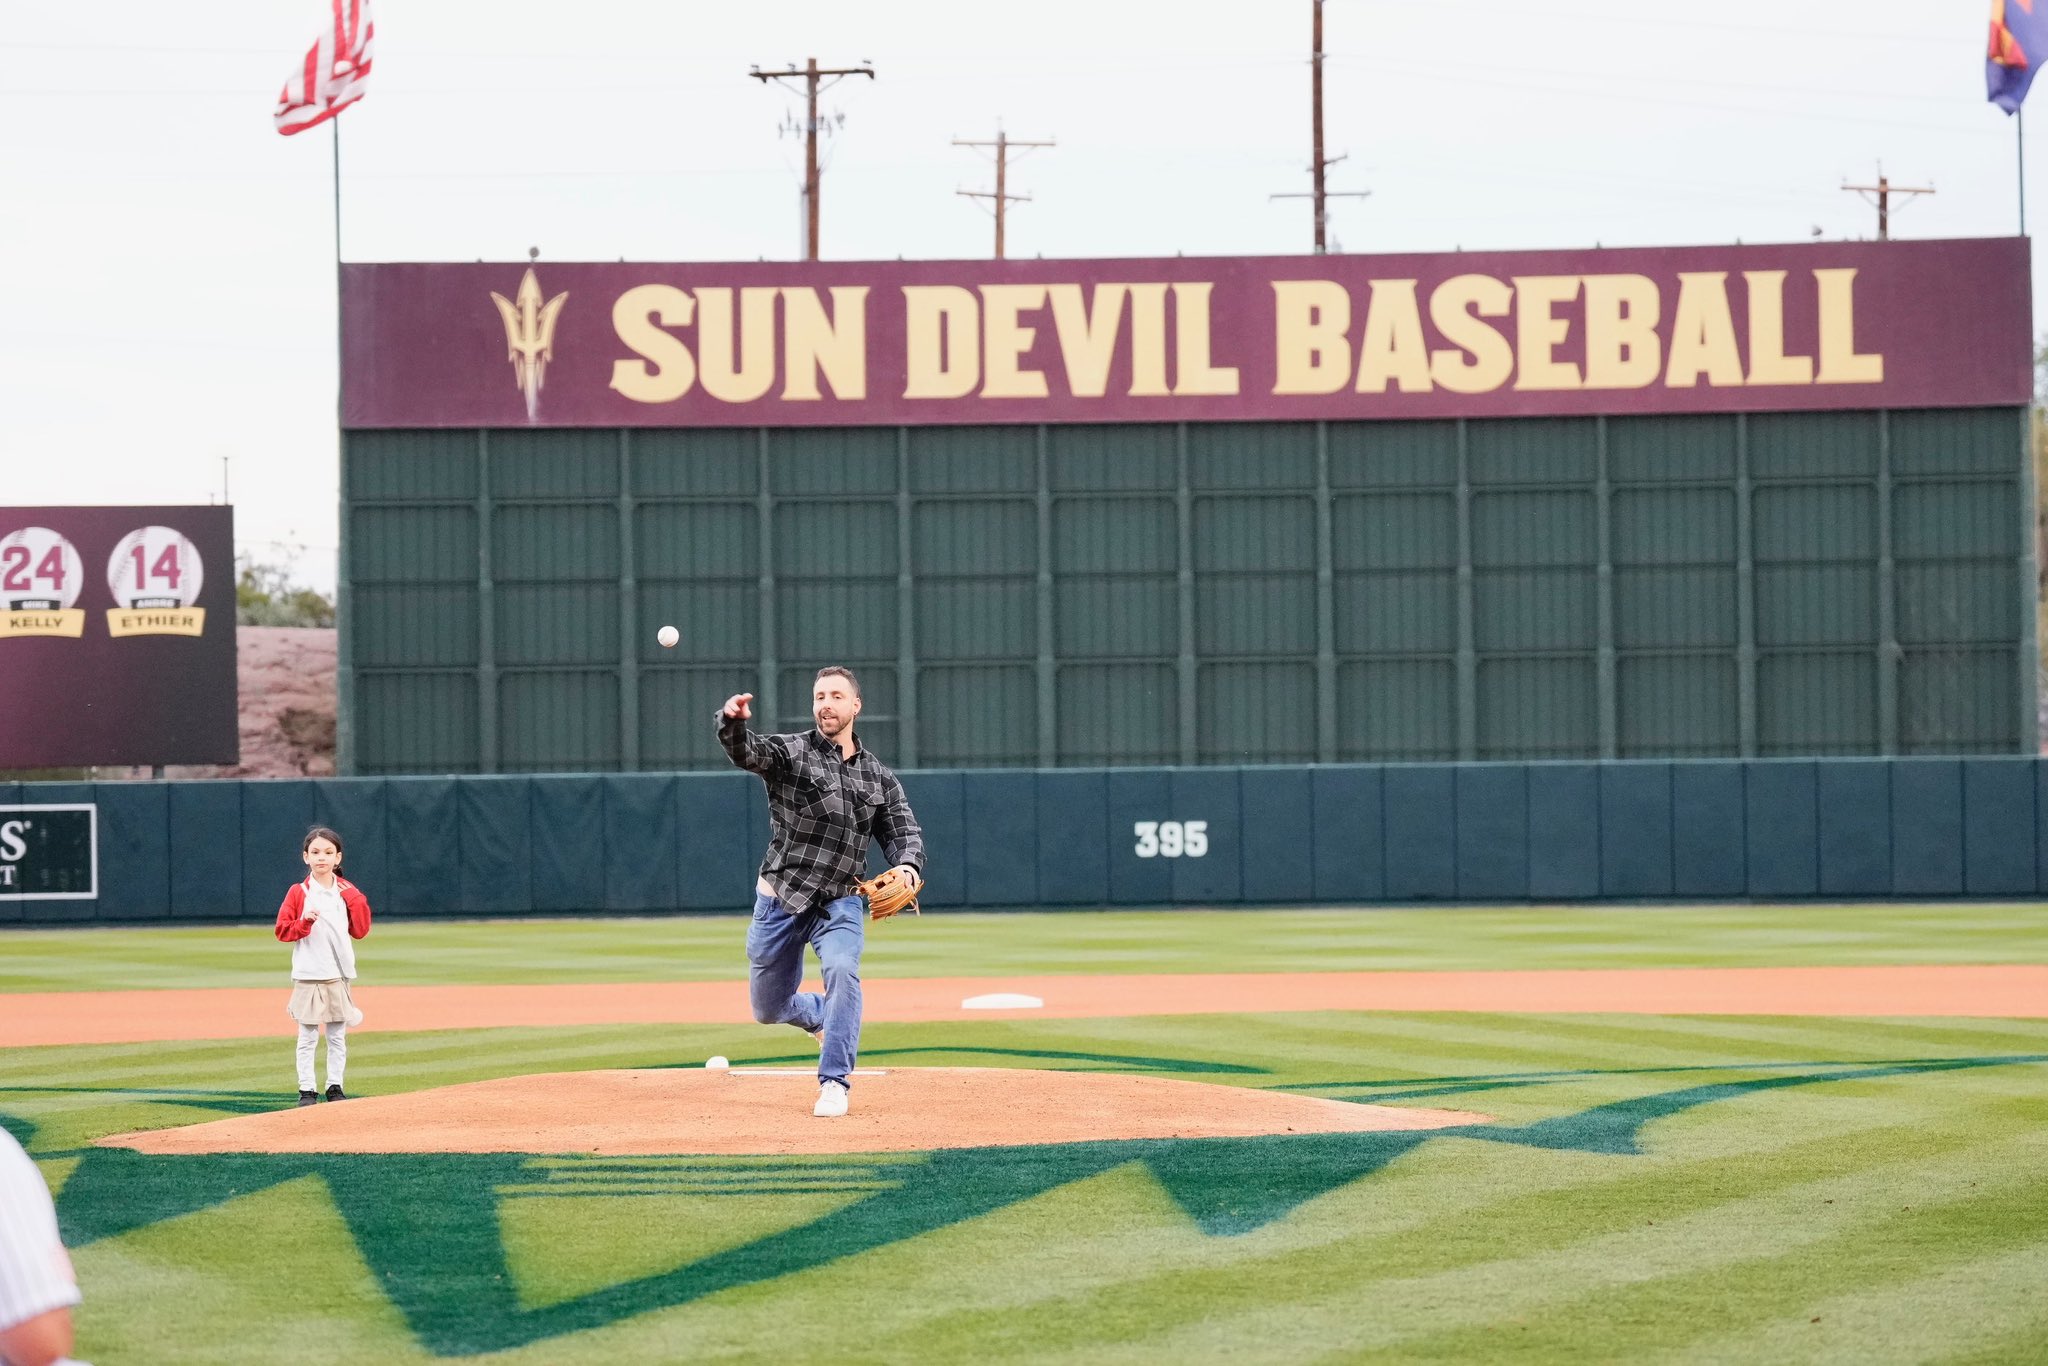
x=812, y=73
x=1003, y=142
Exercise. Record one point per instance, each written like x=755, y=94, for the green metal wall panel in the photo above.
x=676, y=706
x=1109, y=458
x=1393, y=454
x=1796, y=445
x=977, y=716
x=557, y=463
x=434, y=544
x=1704, y=585
x=973, y=459
x=1252, y=455
x=1397, y=709
x=691, y=463
x=1543, y=450
x=1817, y=703
x=1117, y=714
x=1958, y=701
x=1690, y=448
x=1266, y=710
x=549, y=543
x=417, y=722
x=1540, y=706
x=558, y=624
x=697, y=541
x=411, y=467
x=1678, y=705
x=558, y=722
x=833, y=460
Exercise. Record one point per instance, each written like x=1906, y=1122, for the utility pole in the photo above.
x=1319, y=165
x=812, y=73
x=1884, y=190
x=1003, y=198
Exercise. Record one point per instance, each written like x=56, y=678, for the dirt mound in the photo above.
x=768, y=1111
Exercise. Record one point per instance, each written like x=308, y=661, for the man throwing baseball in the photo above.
x=827, y=797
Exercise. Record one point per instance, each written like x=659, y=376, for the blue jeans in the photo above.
x=775, y=951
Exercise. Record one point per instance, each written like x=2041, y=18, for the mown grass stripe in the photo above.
x=1431, y=1292
x=691, y=948
x=1979, y=1302
x=1892, y=1229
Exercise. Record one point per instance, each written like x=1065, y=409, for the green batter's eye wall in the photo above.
x=1836, y=583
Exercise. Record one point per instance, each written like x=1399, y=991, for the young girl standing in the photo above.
x=318, y=918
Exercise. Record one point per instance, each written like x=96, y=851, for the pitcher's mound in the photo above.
x=743, y=1111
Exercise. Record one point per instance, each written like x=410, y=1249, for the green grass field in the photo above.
x=1653, y=1189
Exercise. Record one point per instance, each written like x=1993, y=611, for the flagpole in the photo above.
x=2020, y=117
x=344, y=605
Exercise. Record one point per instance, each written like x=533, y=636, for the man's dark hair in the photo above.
x=843, y=672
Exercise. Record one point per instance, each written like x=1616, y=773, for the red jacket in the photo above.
x=291, y=916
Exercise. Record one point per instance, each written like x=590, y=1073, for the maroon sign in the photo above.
x=1483, y=334
x=117, y=636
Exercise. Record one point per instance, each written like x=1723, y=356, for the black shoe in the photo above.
x=308, y=1098
x=334, y=1092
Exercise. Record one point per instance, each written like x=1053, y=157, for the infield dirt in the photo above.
x=2009, y=991
x=767, y=1112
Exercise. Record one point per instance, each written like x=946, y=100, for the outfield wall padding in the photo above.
x=1920, y=828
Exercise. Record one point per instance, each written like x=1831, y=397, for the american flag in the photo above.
x=331, y=78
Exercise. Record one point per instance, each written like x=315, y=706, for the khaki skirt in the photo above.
x=315, y=1003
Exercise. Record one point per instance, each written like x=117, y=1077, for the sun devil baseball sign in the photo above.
x=117, y=636
x=1479, y=334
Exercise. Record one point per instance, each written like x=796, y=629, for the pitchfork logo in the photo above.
x=529, y=336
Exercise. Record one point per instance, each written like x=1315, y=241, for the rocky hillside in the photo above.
x=286, y=686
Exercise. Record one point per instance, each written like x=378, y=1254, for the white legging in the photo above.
x=337, y=1053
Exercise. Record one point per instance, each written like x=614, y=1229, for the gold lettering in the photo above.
x=756, y=370
x=1393, y=347
x=1148, y=341
x=1622, y=312
x=1839, y=361
x=1539, y=331
x=836, y=346
x=1005, y=340
x=1192, y=372
x=1087, y=335
x=942, y=341
x=1768, y=363
x=1452, y=307
x=665, y=371
x=1311, y=354
x=1703, y=333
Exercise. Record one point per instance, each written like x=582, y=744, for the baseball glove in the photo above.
x=889, y=894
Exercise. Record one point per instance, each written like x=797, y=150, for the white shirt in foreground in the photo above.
x=35, y=1272
x=328, y=952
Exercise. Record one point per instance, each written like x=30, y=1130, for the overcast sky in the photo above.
x=169, y=298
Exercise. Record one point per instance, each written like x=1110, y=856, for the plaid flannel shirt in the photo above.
x=824, y=809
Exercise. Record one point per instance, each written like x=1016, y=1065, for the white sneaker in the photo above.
x=831, y=1100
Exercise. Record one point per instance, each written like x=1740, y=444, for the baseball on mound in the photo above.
x=668, y=636
x=716, y=1064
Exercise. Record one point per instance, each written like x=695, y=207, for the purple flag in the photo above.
x=2019, y=42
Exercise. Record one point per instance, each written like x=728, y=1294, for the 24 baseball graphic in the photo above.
x=40, y=578
x=155, y=574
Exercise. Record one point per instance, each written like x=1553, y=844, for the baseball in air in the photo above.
x=668, y=636
x=716, y=1063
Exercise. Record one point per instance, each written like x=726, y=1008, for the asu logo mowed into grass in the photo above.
x=447, y=1236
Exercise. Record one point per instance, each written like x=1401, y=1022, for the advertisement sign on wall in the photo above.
x=1470, y=334
x=117, y=636
x=50, y=852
